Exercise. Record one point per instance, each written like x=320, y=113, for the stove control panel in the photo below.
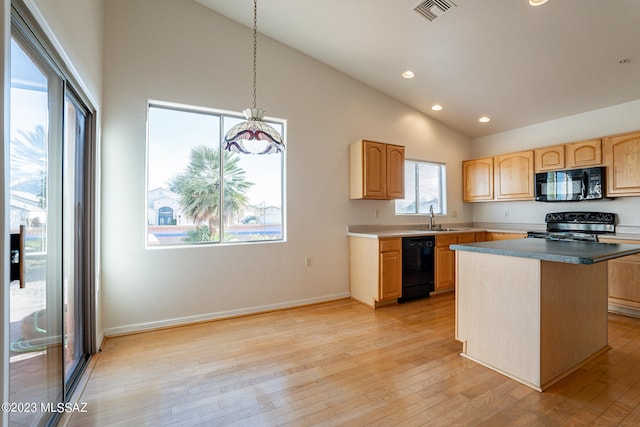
x=581, y=217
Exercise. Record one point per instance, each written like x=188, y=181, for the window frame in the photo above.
x=221, y=114
x=442, y=208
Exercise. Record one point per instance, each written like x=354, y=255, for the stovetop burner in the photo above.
x=576, y=226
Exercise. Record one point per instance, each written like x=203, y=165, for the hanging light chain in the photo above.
x=255, y=47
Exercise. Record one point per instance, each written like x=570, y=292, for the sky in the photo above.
x=172, y=135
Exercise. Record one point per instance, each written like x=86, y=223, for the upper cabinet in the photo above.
x=513, y=176
x=395, y=171
x=584, y=153
x=580, y=154
x=621, y=157
x=477, y=178
x=376, y=170
x=505, y=177
x=549, y=158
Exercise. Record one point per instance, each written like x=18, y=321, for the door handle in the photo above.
x=17, y=257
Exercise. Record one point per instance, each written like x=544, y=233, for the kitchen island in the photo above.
x=533, y=309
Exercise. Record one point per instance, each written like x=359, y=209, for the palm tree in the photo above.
x=199, y=188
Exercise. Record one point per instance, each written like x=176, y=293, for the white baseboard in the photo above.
x=147, y=326
x=627, y=311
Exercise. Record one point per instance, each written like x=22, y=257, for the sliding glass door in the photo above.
x=49, y=290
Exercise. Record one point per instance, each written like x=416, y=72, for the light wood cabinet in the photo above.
x=584, y=154
x=445, y=262
x=513, y=176
x=390, y=284
x=621, y=157
x=477, y=178
x=493, y=235
x=623, y=276
x=395, y=171
x=376, y=170
x=375, y=273
x=549, y=158
x=581, y=154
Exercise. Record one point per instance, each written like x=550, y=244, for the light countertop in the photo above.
x=411, y=232
x=377, y=232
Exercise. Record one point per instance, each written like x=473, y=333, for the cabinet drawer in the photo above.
x=446, y=240
x=467, y=238
x=387, y=245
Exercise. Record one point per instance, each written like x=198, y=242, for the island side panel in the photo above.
x=573, y=317
x=498, y=313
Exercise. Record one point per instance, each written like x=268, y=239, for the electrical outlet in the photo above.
x=307, y=261
x=506, y=212
x=376, y=213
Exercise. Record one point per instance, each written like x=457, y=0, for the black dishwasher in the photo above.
x=418, y=255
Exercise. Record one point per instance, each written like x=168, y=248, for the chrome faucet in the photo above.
x=431, y=217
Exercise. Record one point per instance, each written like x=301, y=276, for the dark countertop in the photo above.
x=552, y=250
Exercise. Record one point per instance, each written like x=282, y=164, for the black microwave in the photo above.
x=570, y=185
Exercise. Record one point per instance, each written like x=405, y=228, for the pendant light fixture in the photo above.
x=253, y=136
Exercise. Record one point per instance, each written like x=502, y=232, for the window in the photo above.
x=424, y=186
x=198, y=193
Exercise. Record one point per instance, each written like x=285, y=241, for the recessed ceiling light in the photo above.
x=537, y=2
x=408, y=74
x=437, y=107
x=484, y=119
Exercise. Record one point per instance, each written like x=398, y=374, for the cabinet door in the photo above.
x=584, y=153
x=624, y=280
x=390, y=275
x=477, y=178
x=445, y=269
x=445, y=262
x=375, y=169
x=395, y=172
x=513, y=176
x=621, y=157
x=549, y=158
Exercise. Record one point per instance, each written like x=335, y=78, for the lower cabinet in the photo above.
x=375, y=273
x=375, y=266
x=623, y=277
x=390, y=266
x=445, y=278
x=492, y=235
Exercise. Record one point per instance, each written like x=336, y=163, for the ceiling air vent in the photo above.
x=431, y=9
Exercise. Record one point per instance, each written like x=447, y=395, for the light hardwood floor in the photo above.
x=343, y=364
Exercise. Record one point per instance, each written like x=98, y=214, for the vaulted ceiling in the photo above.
x=504, y=59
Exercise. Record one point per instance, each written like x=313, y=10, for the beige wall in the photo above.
x=607, y=121
x=179, y=51
x=75, y=27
